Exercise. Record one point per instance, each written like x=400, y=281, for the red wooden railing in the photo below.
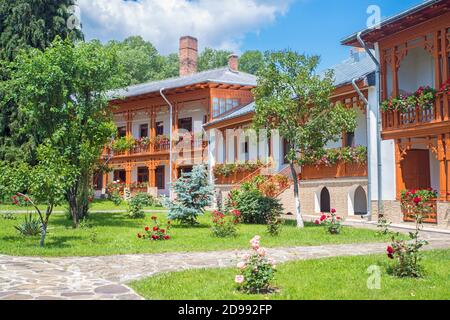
x=415, y=116
x=428, y=217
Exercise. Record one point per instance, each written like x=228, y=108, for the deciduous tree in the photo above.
x=293, y=99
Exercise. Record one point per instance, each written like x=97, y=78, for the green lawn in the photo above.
x=327, y=279
x=116, y=234
x=97, y=205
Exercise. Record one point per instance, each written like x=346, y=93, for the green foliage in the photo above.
x=123, y=144
x=193, y=195
x=253, y=205
x=212, y=59
x=228, y=169
x=274, y=225
x=26, y=24
x=329, y=157
x=251, y=61
x=137, y=203
x=30, y=227
x=225, y=225
x=142, y=62
x=63, y=95
x=255, y=271
x=293, y=99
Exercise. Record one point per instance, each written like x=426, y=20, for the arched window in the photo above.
x=325, y=205
x=360, y=202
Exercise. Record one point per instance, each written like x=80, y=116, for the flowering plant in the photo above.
x=423, y=98
x=445, y=88
x=330, y=157
x=407, y=253
x=156, y=233
x=332, y=222
x=143, y=141
x=256, y=270
x=115, y=191
x=224, y=225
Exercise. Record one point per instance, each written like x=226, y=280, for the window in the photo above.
x=185, y=124
x=235, y=103
x=229, y=104
x=142, y=174
x=223, y=103
x=143, y=130
x=160, y=177
x=187, y=169
x=119, y=175
x=160, y=128
x=350, y=139
x=216, y=110
x=121, y=132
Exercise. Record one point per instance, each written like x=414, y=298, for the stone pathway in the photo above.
x=105, y=277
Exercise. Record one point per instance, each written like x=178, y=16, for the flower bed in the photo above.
x=233, y=173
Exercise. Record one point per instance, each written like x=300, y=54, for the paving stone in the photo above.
x=111, y=289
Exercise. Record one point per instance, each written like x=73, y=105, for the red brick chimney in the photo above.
x=233, y=62
x=188, y=55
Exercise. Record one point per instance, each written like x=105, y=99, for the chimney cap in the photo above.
x=233, y=62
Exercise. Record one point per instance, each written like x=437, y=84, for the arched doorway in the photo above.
x=360, y=202
x=325, y=205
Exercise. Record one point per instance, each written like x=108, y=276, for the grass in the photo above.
x=114, y=233
x=97, y=205
x=343, y=278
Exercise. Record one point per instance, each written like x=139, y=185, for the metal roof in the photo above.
x=352, y=68
x=221, y=75
x=250, y=108
x=426, y=4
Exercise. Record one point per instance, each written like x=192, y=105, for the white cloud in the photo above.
x=219, y=24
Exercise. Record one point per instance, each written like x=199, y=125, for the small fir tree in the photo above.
x=193, y=195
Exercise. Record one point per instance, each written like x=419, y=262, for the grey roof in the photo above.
x=392, y=19
x=352, y=68
x=221, y=75
x=237, y=113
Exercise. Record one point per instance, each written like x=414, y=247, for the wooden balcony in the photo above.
x=338, y=170
x=416, y=122
x=429, y=217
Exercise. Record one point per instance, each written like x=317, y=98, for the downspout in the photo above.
x=378, y=120
x=369, y=147
x=171, y=142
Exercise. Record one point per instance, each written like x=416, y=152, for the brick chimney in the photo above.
x=188, y=55
x=233, y=62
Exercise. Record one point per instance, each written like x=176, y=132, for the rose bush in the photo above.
x=332, y=222
x=255, y=271
x=156, y=233
x=225, y=225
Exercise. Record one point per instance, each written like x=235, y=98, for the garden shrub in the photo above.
x=137, y=203
x=225, y=225
x=253, y=205
x=256, y=270
x=332, y=222
x=156, y=233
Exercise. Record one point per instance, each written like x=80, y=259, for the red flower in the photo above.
x=154, y=237
x=390, y=250
x=162, y=231
x=317, y=222
x=155, y=228
x=333, y=210
x=147, y=228
x=323, y=217
x=166, y=237
x=417, y=200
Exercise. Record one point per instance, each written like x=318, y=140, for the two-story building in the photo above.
x=413, y=50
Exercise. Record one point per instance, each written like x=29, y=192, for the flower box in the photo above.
x=338, y=170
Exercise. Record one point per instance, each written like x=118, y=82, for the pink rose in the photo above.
x=241, y=265
x=239, y=279
x=261, y=252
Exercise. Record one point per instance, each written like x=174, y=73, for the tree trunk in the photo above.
x=298, y=213
x=73, y=208
x=43, y=234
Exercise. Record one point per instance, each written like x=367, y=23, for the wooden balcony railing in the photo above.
x=415, y=116
x=429, y=217
x=338, y=170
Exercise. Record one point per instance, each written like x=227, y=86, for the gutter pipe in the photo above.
x=369, y=147
x=380, y=210
x=171, y=142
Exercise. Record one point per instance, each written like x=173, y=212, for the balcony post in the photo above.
x=129, y=128
x=152, y=129
x=447, y=166
x=105, y=182
x=400, y=184
x=442, y=167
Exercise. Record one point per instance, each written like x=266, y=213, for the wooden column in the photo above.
x=394, y=72
x=129, y=127
x=105, y=181
x=128, y=170
x=445, y=71
x=442, y=167
x=400, y=184
x=151, y=174
x=447, y=165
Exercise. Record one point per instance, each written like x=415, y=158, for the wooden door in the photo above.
x=416, y=169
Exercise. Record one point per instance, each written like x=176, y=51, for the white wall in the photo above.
x=416, y=69
x=361, y=128
x=434, y=172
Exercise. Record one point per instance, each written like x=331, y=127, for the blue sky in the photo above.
x=317, y=26
x=308, y=26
